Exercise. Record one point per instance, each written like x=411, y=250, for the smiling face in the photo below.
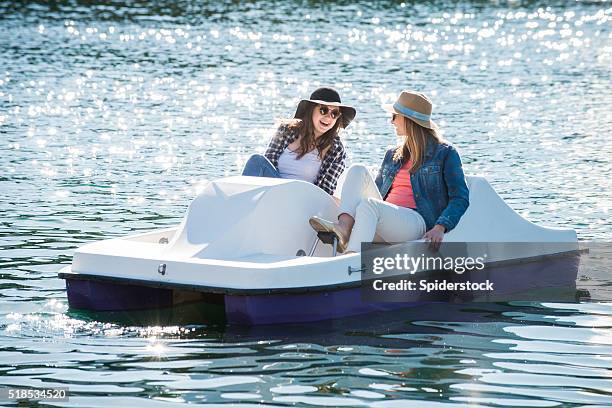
x=324, y=118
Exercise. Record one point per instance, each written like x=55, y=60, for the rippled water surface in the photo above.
x=112, y=116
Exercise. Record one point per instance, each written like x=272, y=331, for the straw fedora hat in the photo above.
x=329, y=97
x=413, y=105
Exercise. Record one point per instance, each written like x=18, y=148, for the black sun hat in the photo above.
x=329, y=97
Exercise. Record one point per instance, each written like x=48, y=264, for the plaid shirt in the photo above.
x=332, y=166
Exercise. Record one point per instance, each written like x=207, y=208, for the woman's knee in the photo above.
x=256, y=159
x=357, y=170
x=254, y=165
x=367, y=204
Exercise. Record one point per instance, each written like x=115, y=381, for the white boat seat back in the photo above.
x=238, y=216
x=490, y=219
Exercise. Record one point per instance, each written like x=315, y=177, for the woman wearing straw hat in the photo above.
x=420, y=190
x=308, y=147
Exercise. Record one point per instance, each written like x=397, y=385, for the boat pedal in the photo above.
x=329, y=238
x=314, y=247
x=300, y=252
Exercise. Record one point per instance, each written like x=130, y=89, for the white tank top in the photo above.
x=306, y=168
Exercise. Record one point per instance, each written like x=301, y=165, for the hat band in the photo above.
x=409, y=112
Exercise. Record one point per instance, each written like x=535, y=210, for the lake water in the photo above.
x=113, y=116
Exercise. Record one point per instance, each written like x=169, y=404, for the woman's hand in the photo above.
x=435, y=236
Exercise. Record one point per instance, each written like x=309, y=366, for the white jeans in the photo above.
x=375, y=219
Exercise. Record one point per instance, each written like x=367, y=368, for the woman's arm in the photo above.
x=329, y=181
x=379, y=176
x=277, y=144
x=458, y=193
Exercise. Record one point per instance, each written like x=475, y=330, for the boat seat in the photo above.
x=241, y=216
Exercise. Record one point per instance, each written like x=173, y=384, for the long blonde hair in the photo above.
x=415, y=143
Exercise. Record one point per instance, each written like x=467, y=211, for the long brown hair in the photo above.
x=415, y=143
x=303, y=124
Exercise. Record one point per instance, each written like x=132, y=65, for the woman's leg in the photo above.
x=389, y=222
x=358, y=184
x=259, y=166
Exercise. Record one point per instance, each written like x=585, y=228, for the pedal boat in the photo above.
x=245, y=246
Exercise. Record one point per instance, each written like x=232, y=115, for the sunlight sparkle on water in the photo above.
x=114, y=121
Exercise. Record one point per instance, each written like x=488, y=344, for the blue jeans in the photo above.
x=259, y=166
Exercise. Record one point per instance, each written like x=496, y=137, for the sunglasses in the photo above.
x=334, y=113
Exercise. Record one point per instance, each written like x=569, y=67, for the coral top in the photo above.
x=400, y=193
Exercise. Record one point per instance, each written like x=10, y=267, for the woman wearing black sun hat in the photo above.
x=308, y=147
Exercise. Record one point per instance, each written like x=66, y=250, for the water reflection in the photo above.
x=476, y=353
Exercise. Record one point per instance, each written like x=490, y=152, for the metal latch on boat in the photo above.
x=352, y=270
x=161, y=269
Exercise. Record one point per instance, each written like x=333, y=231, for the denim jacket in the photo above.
x=439, y=187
